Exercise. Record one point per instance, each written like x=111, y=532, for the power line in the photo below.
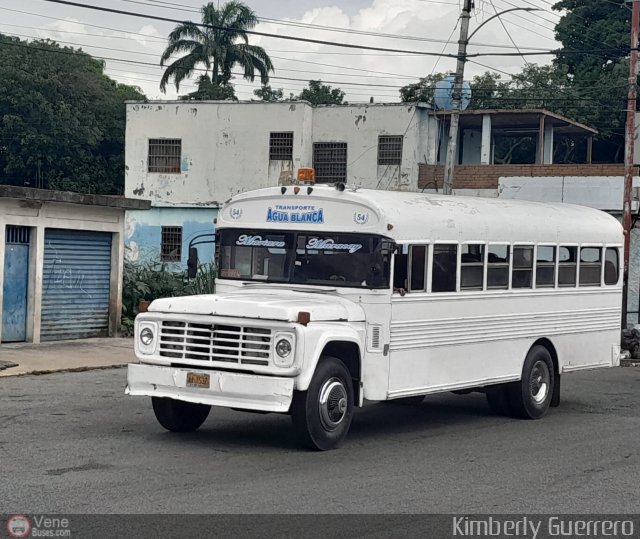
x=249, y=32
x=506, y=31
x=301, y=39
x=392, y=75
x=341, y=83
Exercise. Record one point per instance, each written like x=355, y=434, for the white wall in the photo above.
x=601, y=192
x=225, y=146
x=360, y=125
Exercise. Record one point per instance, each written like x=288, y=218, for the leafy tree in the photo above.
x=218, y=50
x=209, y=91
x=266, y=93
x=595, y=48
x=62, y=120
x=322, y=94
x=421, y=91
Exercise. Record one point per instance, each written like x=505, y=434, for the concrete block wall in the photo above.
x=487, y=176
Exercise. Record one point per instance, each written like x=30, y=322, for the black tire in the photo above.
x=531, y=397
x=179, y=416
x=498, y=399
x=322, y=414
x=408, y=401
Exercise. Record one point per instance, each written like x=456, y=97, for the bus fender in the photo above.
x=317, y=337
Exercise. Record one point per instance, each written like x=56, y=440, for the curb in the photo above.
x=70, y=369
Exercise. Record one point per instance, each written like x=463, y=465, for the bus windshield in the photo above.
x=333, y=259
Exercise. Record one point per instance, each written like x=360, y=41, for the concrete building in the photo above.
x=61, y=257
x=189, y=157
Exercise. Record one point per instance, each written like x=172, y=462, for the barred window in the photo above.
x=389, y=150
x=171, y=246
x=164, y=155
x=281, y=146
x=330, y=161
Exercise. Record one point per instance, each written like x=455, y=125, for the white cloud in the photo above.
x=299, y=60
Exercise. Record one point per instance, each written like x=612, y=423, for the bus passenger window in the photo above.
x=400, y=272
x=522, y=275
x=567, y=266
x=498, y=267
x=418, y=267
x=471, y=267
x=611, y=266
x=546, y=266
x=590, y=266
x=445, y=264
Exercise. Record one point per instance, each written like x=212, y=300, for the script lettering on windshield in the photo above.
x=330, y=245
x=257, y=241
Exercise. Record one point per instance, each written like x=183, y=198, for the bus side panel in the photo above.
x=450, y=341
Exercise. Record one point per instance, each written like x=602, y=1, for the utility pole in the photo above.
x=628, y=150
x=447, y=186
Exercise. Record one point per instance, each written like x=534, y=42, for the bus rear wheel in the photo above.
x=322, y=414
x=531, y=397
x=179, y=416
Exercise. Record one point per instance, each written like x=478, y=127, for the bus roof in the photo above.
x=409, y=216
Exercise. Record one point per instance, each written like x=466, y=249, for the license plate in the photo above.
x=198, y=379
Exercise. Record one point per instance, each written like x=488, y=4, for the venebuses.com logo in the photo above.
x=18, y=526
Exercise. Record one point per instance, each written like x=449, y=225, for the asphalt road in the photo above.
x=74, y=443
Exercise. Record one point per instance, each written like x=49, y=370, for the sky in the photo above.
x=132, y=45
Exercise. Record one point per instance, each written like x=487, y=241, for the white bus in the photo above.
x=328, y=297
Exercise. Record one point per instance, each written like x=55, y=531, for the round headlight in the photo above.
x=283, y=348
x=146, y=336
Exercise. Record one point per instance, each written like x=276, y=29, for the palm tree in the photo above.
x=218, y=46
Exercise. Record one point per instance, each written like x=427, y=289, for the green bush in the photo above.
x=152, y=280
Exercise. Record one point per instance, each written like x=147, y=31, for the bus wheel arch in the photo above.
x=555, y=399
x=349, y=353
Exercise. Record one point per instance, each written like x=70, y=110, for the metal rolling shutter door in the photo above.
x=75, y=287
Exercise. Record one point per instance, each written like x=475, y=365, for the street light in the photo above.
x=457, y=87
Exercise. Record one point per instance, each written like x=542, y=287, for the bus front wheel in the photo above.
x=179, y=416
x=322, y=414
x=531, y=397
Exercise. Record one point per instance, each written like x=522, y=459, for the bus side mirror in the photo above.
x=192, y=263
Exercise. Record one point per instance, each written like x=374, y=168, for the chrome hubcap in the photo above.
x=539, y=382
x=332, y=403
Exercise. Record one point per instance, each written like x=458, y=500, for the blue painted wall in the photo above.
x=143, y=233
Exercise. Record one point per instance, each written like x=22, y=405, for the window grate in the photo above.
x=164, y=155
x=281, y=146
x=17, y=234
x=390, y=150
x=171, y=246
x=330, y=161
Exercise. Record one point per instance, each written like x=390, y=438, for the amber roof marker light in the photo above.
x=306, y=176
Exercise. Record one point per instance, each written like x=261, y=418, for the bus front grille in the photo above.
x=215, y=342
